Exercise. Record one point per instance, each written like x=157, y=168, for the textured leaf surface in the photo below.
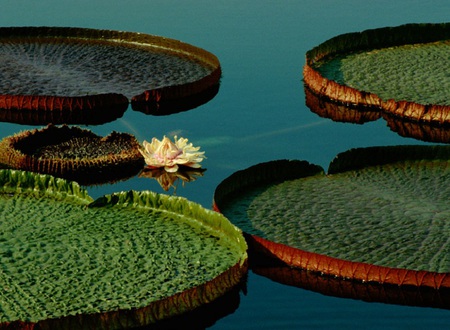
x=418, y=73
x=381, y=206
x=73, y=153
x=63, y=256
x=78, y=62
x=401, y=70
x=79, y=72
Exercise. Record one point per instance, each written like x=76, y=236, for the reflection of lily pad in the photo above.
x=370, y=292
x=100, y=114
x=128, y=259
x=419, y=131
x=339, y=112
x=403, y=70
x=164, y=108
x=56, y=68
x=379, y=215
x=73, y=153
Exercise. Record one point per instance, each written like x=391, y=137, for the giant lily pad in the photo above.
x=70, y=70
x=401, y=70
x=419, y=131
x=379, y=215
x=73, y=153
x=124, y=260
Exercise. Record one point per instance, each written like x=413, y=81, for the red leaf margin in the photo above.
x=372, y=39
x=92, y=102
x=273, y=252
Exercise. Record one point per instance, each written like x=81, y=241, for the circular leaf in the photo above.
x=379, y=215
x=130, y=258
x=75, y=69
x=401, y=70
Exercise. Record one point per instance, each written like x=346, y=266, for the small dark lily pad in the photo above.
x=73, y=153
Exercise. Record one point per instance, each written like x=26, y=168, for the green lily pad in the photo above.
x=380, y=214
x=402, y=70
x=419, y=71
x=130, y=258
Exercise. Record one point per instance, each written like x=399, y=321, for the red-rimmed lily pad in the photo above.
x=83, y=70
x=124, y=260
x=378, y=215
x=73, y=153
x=400, y=70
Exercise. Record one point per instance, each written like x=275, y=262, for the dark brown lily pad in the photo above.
x=379, y=215
x=73, y=153
x=400, y=70
x=75, y=69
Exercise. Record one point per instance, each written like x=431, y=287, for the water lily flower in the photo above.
x=171, y=155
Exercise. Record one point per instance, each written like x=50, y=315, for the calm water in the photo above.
x=258, y=115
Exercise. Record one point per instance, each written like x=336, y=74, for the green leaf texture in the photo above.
x=385, y=206
x=62, y=255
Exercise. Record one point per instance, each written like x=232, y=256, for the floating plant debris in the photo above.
x=379, y=215
x=57, y=68
x=403, y=71
x=122, y=261
x=73, y=153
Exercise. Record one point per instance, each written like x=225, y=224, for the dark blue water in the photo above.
x=258, y=115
